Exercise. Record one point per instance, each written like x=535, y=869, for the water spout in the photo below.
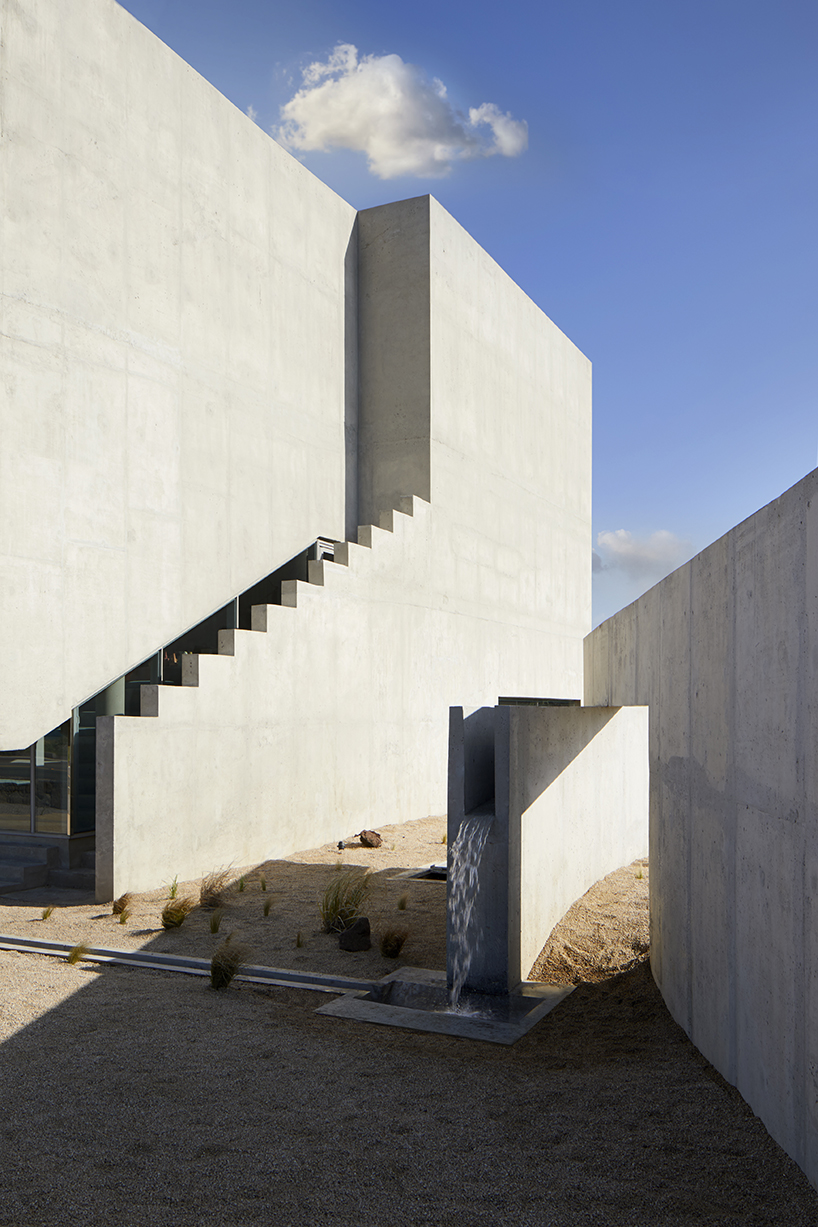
x=463, y=885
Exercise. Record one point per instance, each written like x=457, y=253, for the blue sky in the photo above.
x=663, y=215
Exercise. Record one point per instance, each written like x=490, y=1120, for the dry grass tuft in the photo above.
x=227, y=961
x=213, y=890
x=402, y=902
x=343, y=899
x=124, y=916
x=392, y=942
x=77, y=952
x=176, y=911
x=267, y=905
x=216, y=918
x=121, y=904
x=47, y=912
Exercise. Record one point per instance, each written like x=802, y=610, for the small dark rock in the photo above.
x=340, y=845
x=357, y=936
x=370, y=839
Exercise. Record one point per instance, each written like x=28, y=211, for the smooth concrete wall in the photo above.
x=473, y=398
x=344, y=724
x=510, y=452
x=333, y=720
x=564, y=792
x=394, y=329
x=578, y=788
x=725, y=653
x=179, y=355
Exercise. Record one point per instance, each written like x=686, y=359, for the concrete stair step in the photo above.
x=88, y=860
x=72, y=879
x=21, y=875
x=34, y=853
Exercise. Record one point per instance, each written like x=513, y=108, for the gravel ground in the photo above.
x=147, y=1097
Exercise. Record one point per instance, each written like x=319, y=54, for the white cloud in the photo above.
x=393, y=113
x=252, y=113
x=510, y=135
x=650, y=557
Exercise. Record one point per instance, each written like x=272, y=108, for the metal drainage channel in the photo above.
x=275, y=976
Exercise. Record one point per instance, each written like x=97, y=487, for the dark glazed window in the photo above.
x=52, y=755
x=15, y=790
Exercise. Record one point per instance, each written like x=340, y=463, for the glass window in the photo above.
x=15, y=790
x=84, y=768
x=52, y=755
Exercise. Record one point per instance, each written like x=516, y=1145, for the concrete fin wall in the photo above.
x=394, y=329
x=510, y=444
x=564, y=791
x=725, y=653
x=472, y=398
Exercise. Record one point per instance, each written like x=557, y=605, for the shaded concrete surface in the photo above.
x=45, y=896
x=725, y=653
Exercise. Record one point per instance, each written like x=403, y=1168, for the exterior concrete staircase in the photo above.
x=318, y=572
x=27, y=865
x=80, y=877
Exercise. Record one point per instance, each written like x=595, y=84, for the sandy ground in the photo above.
x=147, y=1097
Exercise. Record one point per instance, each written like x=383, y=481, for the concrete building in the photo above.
x=213, y=372
x=281, y=484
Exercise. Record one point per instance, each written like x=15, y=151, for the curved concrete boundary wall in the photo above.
x=725, y=653
x=563, y=792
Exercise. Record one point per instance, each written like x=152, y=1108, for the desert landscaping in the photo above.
x=146, y=1095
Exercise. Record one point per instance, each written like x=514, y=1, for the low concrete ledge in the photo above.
x=279, y=976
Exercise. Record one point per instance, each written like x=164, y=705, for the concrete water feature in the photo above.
x=526, y=838
x=419, y=1000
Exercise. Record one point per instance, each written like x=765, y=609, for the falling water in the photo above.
x=466, y=853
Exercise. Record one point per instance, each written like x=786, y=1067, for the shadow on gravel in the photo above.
x=43, y=896
x=147, y=1098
